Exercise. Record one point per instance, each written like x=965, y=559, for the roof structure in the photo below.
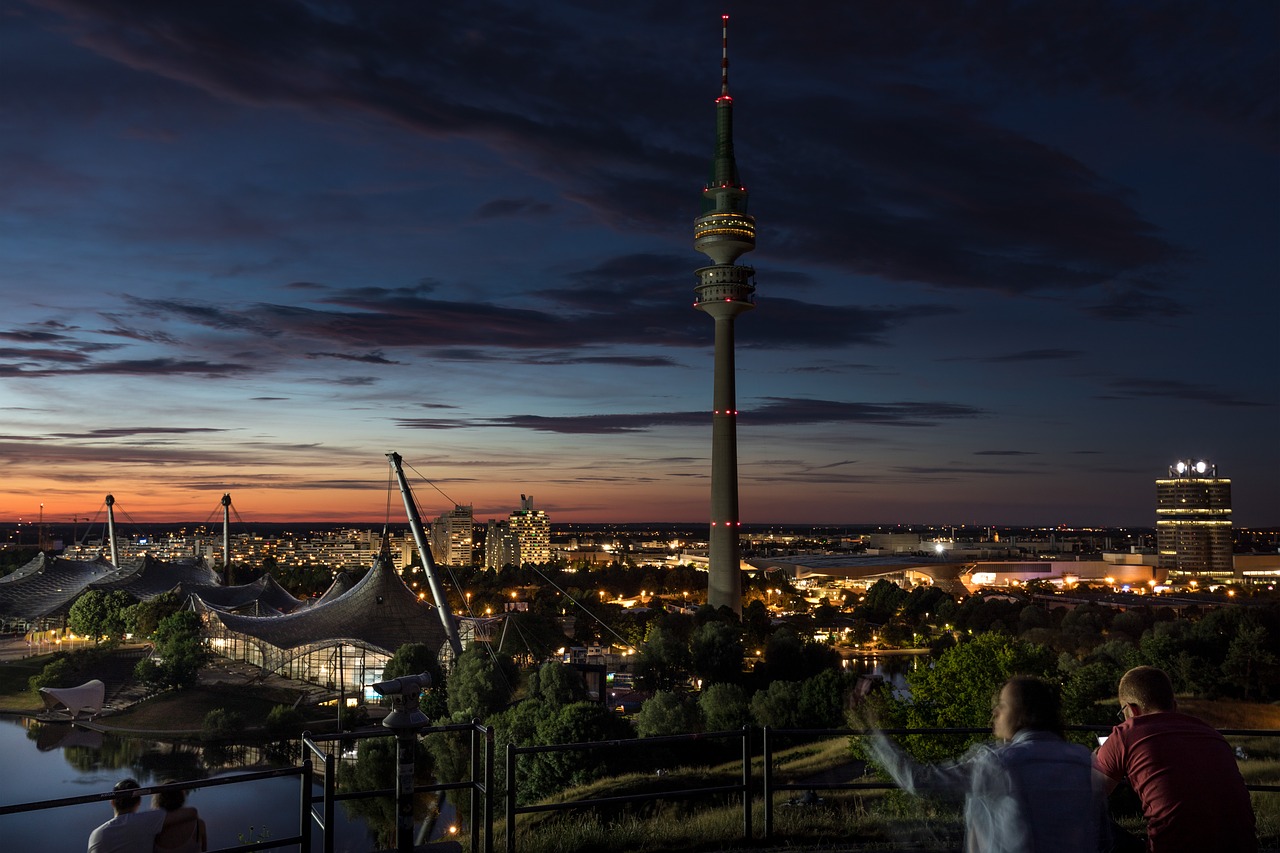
x=265, y=595
x=47, y=586
x=340, y=585
x=74, y=701
x=149, y=577
x=378, y=614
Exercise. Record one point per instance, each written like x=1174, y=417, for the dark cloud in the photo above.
x=199, y=314
x=918, y=184
x=512, y=207
x=1031, y=355
x=1134, y=301
x=1004, y=453
x=776, y=411
x=367, y=358
x=130, y=432
x=135, y=367
x=33, y=355
x=1127, y=389
x=956, y=471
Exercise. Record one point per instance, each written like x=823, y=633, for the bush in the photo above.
x=221, y=724
x=56, y=673
x=353, y=718
x=283, y=722
x=150, y=673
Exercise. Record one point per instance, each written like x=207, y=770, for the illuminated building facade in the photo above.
x=1193, y=519
x=451, y=537
x=523, y=538
x=532, y=530
x=723, y=233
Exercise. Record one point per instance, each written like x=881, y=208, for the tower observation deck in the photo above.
x=724, y=232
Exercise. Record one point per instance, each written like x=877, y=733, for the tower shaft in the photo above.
x=724, y=290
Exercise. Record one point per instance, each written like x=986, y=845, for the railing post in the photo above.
x=488, y=789
x=767, y=752
x=330, y=790
x=746, y=782
x=305, y=815
x=511, y=798
x=475, y=784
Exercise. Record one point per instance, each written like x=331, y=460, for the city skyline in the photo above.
x=1014, y=262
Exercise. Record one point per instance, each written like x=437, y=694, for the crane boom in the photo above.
x=428, y=563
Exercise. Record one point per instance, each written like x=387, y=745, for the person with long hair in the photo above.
x=186, y=837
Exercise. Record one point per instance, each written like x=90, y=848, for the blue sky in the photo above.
x=1013, y=260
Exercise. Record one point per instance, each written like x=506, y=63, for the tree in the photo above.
x=716, y=653
x=663, y=662
x=883, y=601
x=143, y=618
x=1250, y=662
x=579, y=722
x=668, y=714
x=724, y=707
x=99, y=614
x=415, y=658
x=533, y=634
x=784, y=656
x=480, y=684
x=924, y=601
x=179, y=651
x=557, y=684
x=755, y=624
x=822, y=698
x=778, y=705
x=956, y=692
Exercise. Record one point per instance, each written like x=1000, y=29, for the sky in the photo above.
x=1014, y=259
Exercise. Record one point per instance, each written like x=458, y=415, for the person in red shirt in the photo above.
x=1183, y=771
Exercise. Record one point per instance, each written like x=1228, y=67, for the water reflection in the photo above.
x=892, y=667
x=52, y=761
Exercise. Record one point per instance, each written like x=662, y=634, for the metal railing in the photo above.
x=302, y=772
x=482, y=788
x=481, y=766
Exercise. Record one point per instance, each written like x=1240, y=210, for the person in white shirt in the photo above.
x=132, y=831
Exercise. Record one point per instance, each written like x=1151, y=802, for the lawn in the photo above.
x=184, y=710
x=15, y=696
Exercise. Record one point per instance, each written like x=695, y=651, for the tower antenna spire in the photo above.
x=724, y=56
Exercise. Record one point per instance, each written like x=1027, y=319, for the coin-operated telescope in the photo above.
x=405, y=718
x=404, y=693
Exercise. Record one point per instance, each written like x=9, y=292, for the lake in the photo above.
x=52, y=761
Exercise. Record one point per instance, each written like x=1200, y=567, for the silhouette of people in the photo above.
x=132, y=831
x=1183, y=771
x=1030, y=790
x=185, y=837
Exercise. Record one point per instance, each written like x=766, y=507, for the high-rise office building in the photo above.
x=1193, y=519
x=532, y=530
x=525, y=537
x=451, y=537
x=723, y=233
x=501, y=548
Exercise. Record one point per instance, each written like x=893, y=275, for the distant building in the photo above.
x=532, y=530
x=452, y=537
x=523, y=538
x=1193, y=519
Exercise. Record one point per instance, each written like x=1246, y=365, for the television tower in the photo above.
x=723, y=233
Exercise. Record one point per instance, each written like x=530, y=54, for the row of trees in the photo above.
x=108, y=617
